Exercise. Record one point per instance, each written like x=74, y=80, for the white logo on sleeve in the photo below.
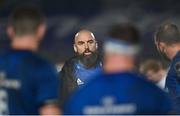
x=79, y=82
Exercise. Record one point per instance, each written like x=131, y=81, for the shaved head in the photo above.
x=84, y=33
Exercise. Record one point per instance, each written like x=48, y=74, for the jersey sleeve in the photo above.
x=47, y=85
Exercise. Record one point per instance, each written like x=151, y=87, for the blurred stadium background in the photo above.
x=66, y=17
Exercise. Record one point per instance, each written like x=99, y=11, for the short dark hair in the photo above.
x=25, y=20
x=125, y=31
x=167, y=33
x=151, y=64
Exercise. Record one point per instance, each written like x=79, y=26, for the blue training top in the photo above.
x=121, y=93
x=26, y=82
x=83, y=75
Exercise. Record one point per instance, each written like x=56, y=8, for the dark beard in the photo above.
x=89, y=60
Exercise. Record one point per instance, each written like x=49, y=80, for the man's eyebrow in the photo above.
x=86, y=41
x=90, y=40
x=79, y=41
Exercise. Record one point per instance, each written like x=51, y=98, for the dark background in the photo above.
x=66, y=17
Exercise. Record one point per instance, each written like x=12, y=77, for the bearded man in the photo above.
x=79, y=69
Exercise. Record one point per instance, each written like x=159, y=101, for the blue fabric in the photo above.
x=85, y=74
x=34, y=78
x=173, y=83
x=121, y=93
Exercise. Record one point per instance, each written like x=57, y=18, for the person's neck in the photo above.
x=124, y=66
x=174, y=51
x=25, y=43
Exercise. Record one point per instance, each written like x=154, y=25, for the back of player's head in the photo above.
x=167, y=33
x=123, y=39
x=126, y=32
x=26, y=20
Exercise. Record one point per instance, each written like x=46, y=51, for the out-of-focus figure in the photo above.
x=80, y=69
x=59, y=66
x=119, y=90
x=154, y=72
x=28, y=83
x=167, y=40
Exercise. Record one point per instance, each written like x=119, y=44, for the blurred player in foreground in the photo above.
x=28, y=83
x=119, y=90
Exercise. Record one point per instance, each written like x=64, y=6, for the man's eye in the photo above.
x=80, y=43
x=91, y=41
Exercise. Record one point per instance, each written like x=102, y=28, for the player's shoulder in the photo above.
x=136, y=81
x=176, y=59
x=28, y=58
x=175, y=64
x=39, y=60
x=23, y=55
x=70, y=62
x=123, y=76
x=176, y=67
x=142, y=85
x=142, y=81
x=40, y=63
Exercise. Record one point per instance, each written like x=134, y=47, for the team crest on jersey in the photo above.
x=108, y=105
x=177, y=68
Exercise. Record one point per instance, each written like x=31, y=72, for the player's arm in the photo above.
x=65, y=82
x=47, y=85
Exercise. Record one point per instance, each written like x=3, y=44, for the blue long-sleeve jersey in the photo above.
x=26, y=82
x=121, y=93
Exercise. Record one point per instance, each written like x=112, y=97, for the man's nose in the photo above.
x=86, y=45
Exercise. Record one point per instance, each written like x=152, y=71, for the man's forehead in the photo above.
x=84, y=36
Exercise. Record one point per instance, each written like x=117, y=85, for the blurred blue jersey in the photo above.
x=173, y=82
x=121, y=93
x=26, y=82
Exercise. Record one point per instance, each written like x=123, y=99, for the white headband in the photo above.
x=120, y=47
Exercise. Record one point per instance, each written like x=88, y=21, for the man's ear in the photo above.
x=41, y=31
x=75, y=49
x=10, y=32
x=162, y=46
